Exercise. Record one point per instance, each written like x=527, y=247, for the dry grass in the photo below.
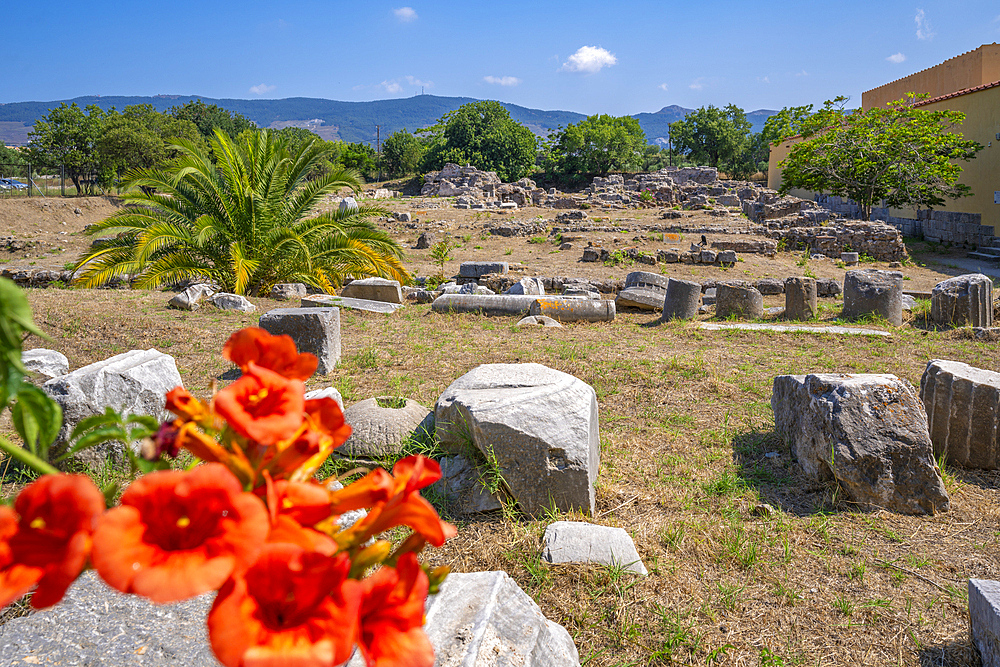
x=685, y=426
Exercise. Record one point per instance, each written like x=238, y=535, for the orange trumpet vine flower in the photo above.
x=277, y=353
x=179, y=534
x=392, y=617
x=292, y=607
x=46, y=538
x=262, y=405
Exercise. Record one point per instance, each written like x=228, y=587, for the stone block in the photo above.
x=328, y=392
x=963, y=301
x=479, y=269
x=681, y=300
x=374, y=289
x=541, y=426
x=727, y=257
x=425, y=241
x=874, y=292
x=288, y=291
x=527, y=286
x=191, y=297
x=347, y=204
x=226, y=301
x=644, y=299
x=739, y=298
x=647, y=280
x=581, y=542
x=327, y=300
x=984, y=619
x=868, y=432
x=49, y=363
x=800, y=298
x=707, y=257
x=314, y=330
x=770, y=286
x=963, y=412
x=849, y=258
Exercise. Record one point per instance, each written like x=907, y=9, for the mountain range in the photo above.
x=345, y=121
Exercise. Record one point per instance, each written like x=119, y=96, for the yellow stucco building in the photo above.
x=969, y=83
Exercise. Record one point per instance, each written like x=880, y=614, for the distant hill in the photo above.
x=346, y=121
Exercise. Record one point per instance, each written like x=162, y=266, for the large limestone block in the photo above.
x=642, y=298
x=740, y=298
x=382, y=424
x=874, y=292
x=963, y=412
x=984, y=619
x=49, y=363
x=540, y=424
x=582, y=542
x=480, y=269
x=963, y=300
x=314, y=330
x=374, y=289
x=132, y=382
x=869, y=432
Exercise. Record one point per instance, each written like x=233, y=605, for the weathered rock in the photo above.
x=527, y=286
x=849, y=258
x=874, y=292
x=328, y=392
x=314, y=330
x=425, y=240
x=540, y=425
x=462, y=486
x=540, y=320
x=288, y=291
x=380, y=426
x=423, y=296
x=963, y=301
x=49, y=363
x=800, y=298
x=347, y=204
x=644, y=299
x=581, y=542
x=226, y=301
x=770, y=286
x=740, y=298
x=984, y=619
x=134, y=382
x=681, y=300
x=374, y=289
x=727, y=257
x=827, y=287
x=963, y=412
x=591, y=254
x=478, y=269
x=189, y=299
x=402, y=216
x=869, y=432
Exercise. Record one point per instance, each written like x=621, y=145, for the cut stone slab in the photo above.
x=581, y=542
x=637, y=297
x=874, y=292
x=984, y=619
x=288, y=291
x=785, y=328
x=190, y=298
x=479, y=269
x=374, y=289
x=963, y=412
x=49, y=363
x=314, y=330
x=963, y=301
x=328, y=392
x=328, y=300
x=134, y=382
x=379, y=432
x=461, y=485
x=226, y=301
x=540, y=424
x=869, y=432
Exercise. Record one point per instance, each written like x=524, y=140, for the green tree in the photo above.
x=599, y=145
x=68, y=136
x=243, y=223
x=401, y=154
x=484, y=135
x=139, y=138
x=10, y=157
x=712, y=135
x=898, y=154
x=358, y=157
x=210, y=117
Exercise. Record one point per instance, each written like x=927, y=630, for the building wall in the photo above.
x=968, y=70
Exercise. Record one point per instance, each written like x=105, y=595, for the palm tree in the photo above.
x=240, y=221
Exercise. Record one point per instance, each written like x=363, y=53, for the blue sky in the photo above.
x=619, y=58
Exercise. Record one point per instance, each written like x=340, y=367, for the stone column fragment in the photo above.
x=800, y=298
x=682, y=300
x=963, y=412
x=963, y=300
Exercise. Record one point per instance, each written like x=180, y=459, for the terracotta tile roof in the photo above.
x=957, y=93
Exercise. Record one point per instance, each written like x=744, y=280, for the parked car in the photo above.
x=12, y=184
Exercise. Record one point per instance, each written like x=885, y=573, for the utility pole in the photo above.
x=378, y=150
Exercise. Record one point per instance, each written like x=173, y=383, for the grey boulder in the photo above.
x=314, y=330
x=527, y=286
x=869, y=432
x=288, y=291
x=226, y=301
x=347, y=204
x=539, y=425
x=581, y=542
x=380, y=428
x=49, y=363
x=464, y=486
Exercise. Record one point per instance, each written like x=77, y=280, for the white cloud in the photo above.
x=764, y=79
x=261, y=89
x=923, y=26
x=896, y=58
x=589, y=59
x=405, y=14
x=502, y=80
x=417, y=82
x=391, y=86
x=802, y=73
x=663, y=87
x=698, y=84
